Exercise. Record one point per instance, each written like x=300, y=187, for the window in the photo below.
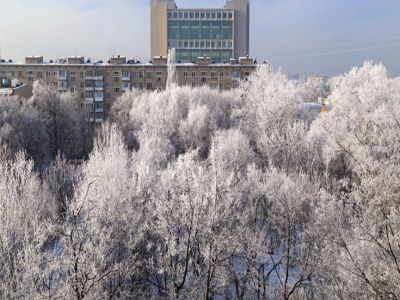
x=185, y=74
x=126, y=85
x=213, y=74
x=149, y=74
x=82, y=95
x=72, y=79
x=82, y=84
x=116, y=90
x=116, y=79
x=203, y=77
x=48, y=74
x=30, y=79
x=149, y=85
x=193, y=74
x=125, y=74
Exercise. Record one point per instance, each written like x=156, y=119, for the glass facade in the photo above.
x=198, y=33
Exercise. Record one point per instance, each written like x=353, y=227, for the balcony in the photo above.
x=92, y=88
x=97, y=120
x=99, y=98
x=99, y=78
x=126, y=78
x=62, y=86
x=62, y=76
x=99, y=110
x=126, y=87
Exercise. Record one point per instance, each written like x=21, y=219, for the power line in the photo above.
x=343, y=44
x=336, y=52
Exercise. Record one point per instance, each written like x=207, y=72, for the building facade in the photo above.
x=220, y=34
x=96, y=85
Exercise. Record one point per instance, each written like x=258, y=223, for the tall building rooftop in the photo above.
x=220, y=33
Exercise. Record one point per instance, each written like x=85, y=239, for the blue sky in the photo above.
x=301, y=36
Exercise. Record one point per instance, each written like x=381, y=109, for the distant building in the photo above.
x=96, y=85
x=218, y=33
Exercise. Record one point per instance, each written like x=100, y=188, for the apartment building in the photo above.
x=96, y=85
x=218, y=33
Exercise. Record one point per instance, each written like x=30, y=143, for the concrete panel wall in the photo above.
x=158, y=26
x=242, y=26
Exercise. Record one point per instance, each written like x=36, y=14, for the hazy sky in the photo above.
x=301, y=36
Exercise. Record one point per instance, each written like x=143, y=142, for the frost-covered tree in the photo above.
x=271, y=113
x=25, y=211
x=361, y=134
x=22, y=129
x=63, y=121
x=102, y=227
x=282, y=247
x=362, y=124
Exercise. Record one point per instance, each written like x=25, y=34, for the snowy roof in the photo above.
x=6, y=92
x=189, y=64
